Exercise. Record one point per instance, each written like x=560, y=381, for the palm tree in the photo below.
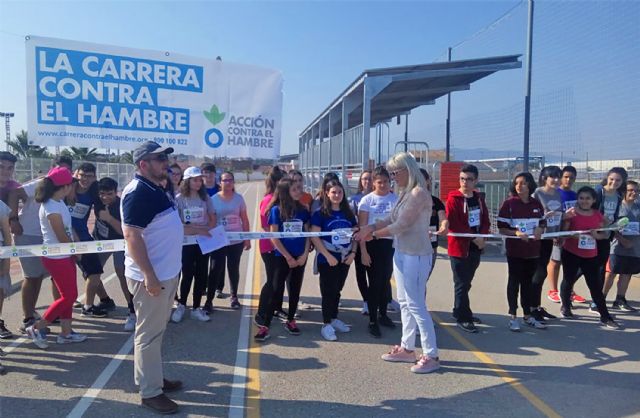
x=83, y=153
x=126, y=157
x=24, y=149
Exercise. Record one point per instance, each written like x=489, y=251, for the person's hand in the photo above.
x=16, y=227
x=523, y=236
x=349, y=259
x=537, y=233
x=104, y=215
x=480, y=242
x=595, y=234
x=363, y=234
x=292, y=262
x=302, y=259
x=569, y=213
x=365, y=258
x=153, y=285
x=247, y=245
x=332, y=260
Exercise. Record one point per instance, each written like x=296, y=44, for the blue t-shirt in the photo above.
x=82, y=209
x=213, y=190
x=295, y=246
x=569, y=198
x=337, y=220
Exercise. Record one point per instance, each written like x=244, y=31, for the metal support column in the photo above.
x=366, y=123
x=448, y=138
x=527, y=95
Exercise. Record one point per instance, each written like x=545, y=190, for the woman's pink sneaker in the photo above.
x=399, y=355
x=425, y=365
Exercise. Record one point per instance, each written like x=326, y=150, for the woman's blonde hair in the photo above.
x=405, y=160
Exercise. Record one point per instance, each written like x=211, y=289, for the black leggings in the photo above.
x=331, y=281
x=537, y=283
x=381, y=253
x=194, y=265
x=231, y=256
x=266, y=294
x=590, y=269
x=293, y=277
x=521, y=271
x=361, y=276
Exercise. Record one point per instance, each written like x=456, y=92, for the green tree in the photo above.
x=126, y=157
x=24, y=149
x=83, y=153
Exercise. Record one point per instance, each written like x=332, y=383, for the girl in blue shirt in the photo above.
x=286, y=214
x=335, y=253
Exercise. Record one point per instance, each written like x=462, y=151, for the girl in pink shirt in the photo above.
x=580, y=252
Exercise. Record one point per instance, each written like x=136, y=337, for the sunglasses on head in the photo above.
x=395, y=172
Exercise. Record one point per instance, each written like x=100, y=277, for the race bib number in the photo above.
x=79, y=210
x=231, y=222
x=103, y=229
x=555, y=219
x=632, y=229
x=474, y=217
x=432, y=233
x=292, y=226
x=341, y=239
x=194, y=215
x=526, y=226
x=610, y=209
x=586, y=242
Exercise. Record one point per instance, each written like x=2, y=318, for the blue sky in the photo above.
x=320, y=47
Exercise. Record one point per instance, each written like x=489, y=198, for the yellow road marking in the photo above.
x=515, y=383
x=253, y=372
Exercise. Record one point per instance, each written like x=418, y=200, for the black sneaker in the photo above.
x=94, y=312
x=292, y=327
x=467, y=326
x=537, y=314
x=26, y=323
x=566, y=313
x=221, y=295
x=476, y=320
x=385, y=321
x=208, y=307
x=622, y=305
x=545, y=314
x=5, y=334
x=108, y=305
x=611, y=324
x=235, y=304
x=374, y=330
x=281, y=315
x=593, y=308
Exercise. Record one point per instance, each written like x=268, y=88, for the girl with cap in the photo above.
x=198, y=217
x=55, y=223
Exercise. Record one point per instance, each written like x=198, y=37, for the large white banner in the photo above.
x=89, y=95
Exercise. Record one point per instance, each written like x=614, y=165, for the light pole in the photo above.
x=7, y=121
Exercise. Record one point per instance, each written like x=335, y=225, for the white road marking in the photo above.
x=15, y=344
x=239, y=386
x=90, y=395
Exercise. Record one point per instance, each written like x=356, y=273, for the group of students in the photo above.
x=598, y=255
x=56, y=208
x=396, y=233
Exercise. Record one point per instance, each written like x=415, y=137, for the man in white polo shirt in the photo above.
x=153, y=258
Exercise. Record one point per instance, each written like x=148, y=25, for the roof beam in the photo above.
x=452, y=72
x=421, y=92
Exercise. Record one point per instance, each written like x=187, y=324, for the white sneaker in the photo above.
x=130, y=322
x=328, y=332
x=38, y=337
x=178, y=313
x=200, y=315
x=73, y=337
x=514, y=325
x=531, y=321
x=338, y=325
x=365, y=309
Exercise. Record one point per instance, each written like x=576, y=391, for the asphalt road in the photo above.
x=573, y=368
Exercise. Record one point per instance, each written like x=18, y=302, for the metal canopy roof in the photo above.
x=396, y=91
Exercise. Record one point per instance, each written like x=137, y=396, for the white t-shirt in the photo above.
x=48, y=234
x=29, y=214
x=4, y=213
x=378, y=207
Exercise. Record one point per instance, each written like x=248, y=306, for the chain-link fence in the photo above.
x=27, y=169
